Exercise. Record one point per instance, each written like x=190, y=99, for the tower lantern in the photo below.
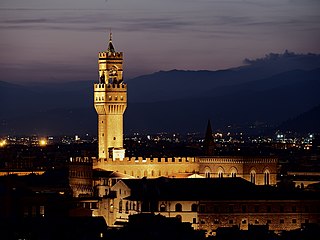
x=110, y=102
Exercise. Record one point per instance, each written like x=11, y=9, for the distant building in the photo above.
x=80, y=176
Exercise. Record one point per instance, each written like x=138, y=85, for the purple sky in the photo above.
x=58, y=40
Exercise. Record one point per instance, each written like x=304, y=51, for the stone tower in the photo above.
x=110, y=102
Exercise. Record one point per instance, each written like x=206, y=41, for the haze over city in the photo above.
x=54, y=41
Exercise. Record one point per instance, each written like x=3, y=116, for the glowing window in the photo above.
x=253, y=177
x=266, y=177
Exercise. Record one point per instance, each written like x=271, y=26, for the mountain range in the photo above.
x=277, y=91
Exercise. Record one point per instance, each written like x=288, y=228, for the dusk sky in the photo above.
x=59, y=40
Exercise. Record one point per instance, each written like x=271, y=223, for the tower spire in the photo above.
x=110, y=46
x=208, y=141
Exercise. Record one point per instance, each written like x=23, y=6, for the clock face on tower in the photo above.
x=113, y=72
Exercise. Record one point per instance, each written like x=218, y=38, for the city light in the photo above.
x=3, y=143
x=42, y=142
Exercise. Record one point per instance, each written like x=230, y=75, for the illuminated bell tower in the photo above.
x=110, y=102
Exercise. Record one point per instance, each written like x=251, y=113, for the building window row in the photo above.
x=178, y=207
x=129, y=205
x=80, y=174
x=250, y=208
x=256, y=221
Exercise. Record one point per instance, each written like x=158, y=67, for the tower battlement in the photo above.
x=111, y=55
x=110, y=86
x=203, y=160
x=141, y=160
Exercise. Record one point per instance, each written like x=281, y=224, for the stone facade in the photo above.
x=259, y=170
x=278, y=214
x=110, y=102
x=216, y=204
x=80, y=176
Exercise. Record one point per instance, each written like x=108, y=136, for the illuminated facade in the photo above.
x=210, y=203
x=110, y=102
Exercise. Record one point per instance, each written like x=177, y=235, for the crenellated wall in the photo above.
x=232, y=166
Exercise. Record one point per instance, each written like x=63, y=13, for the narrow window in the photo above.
x=194, y=207
x=127, y=207
x=266, y=177
x=253, y=177
x=120, y=206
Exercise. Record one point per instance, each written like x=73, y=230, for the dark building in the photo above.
x=209, y=204
x=208, y=144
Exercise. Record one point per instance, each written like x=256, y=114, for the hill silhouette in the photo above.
x=263, y=93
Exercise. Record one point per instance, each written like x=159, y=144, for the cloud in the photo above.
x=284, y=57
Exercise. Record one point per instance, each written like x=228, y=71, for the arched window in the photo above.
x=194, y=207
x=120, y=206
x=220, y=172
x=159, y=173
x=178, y=207
x=152, y=173
x=145, y=173
x=233, y=172
x=253, y=176
x=162, y=208
x=266, y=177
x=207, y=172
x=179, y=217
